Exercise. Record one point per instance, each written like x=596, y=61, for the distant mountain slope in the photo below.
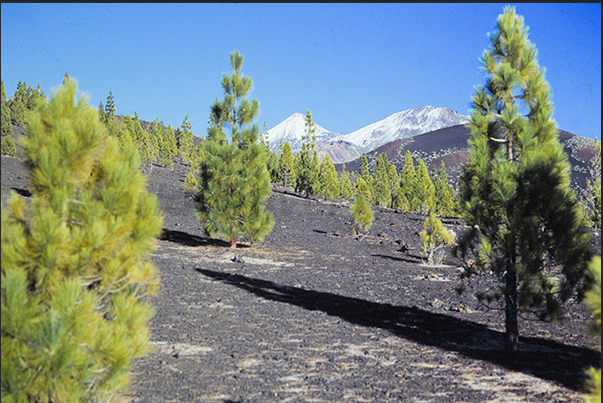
x=450, y=145
x=408, y=123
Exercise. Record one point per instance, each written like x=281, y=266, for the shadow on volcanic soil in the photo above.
x=186, y=239
x=543, y=358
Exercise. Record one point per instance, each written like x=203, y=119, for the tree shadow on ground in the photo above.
x=546, y=359
x=186, y=239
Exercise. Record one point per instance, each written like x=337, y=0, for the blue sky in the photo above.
x=351, y=64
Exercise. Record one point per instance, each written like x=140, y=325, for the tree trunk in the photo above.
x=511, y=327
x=233, y=243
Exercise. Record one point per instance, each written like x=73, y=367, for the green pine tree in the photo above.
x=305, y=163
x=110, y=107
x=345, y=185
x=234, y=180
x=592, y=194
x=6, y=122
x=329, y=184
x=191, y=182
x=76, y=261
x=409, y=183
x=362, y=188
x=425, y=189
x=287, y=166
x=362, y=213
x=514, y=189
x=434, y=237
x=382, y=188
x=444, y=192
x=7, y=147
x=592, y=299
x=184, y=142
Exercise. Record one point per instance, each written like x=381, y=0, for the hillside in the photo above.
x=450, y=145
x=316, y=313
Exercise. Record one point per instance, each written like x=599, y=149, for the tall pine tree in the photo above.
x=329, y=184
x=525, y=222
x=234, y=179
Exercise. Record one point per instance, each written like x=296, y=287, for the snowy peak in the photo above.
x=404, y=124
x=293, y=129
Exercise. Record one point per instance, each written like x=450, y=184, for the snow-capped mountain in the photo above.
x=293, y=129
x=404, y=124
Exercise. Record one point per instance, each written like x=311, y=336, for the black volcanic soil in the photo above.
x=315, y=313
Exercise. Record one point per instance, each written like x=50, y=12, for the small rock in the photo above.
x=238, y=258
x=436, y=303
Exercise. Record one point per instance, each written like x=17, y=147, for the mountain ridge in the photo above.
x=343, y=147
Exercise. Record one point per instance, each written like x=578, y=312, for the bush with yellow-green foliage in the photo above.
x=76, y=261
x=593, y=304
x=363, y=215
x=434, y=237
x=191, y=183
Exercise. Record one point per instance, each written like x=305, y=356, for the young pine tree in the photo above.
x=362, y=213
x=434, y=237
x=329, y=184
x=526, y=224
x=6, y=126
x=8, y=147
x=592, y=300
x=345, y=185
x=191, y=183
x=76, y=261
x=382, y=187
x=286, y=165
x=184, y=141
x=444, y=192
x=305, y=163
x=592, y=195
x=409, y=183
x=362, y=188
x=234, y=180
x=425, y=190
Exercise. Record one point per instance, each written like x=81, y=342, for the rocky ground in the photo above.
x=317, y=314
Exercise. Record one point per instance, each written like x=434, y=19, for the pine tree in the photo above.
x=409, y=182
x=305, y=163
x=425, y=189
x=234, y=180
x=444, y=192
x=76, y=261
x=593, y=304
x=191, y=182
x=592, y=195
x=23, y=100
x=6, y=126
x=184, y=142
x=345, y=185
x=514, y=189
x=286, y=165
x=394, y=180
x=362, y=188
x=362, y=213
x=8, y=146
x=329, y=184
x=110, y=107
x=382, y=187
x=434, y=237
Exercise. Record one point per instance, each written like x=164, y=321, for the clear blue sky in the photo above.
x=351, y=64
